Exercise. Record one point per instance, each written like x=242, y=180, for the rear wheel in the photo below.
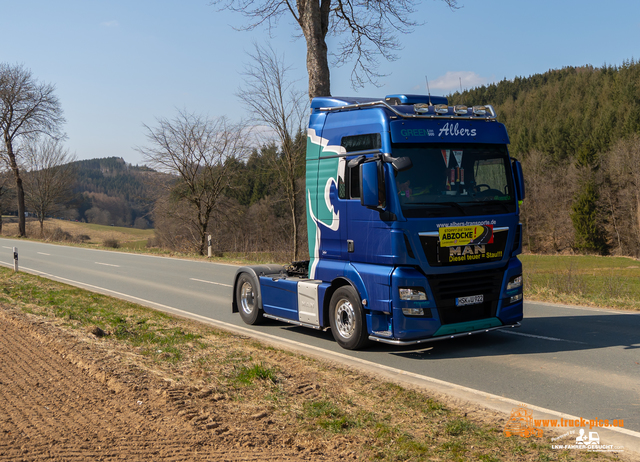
x=246, y=297
x=346, y=316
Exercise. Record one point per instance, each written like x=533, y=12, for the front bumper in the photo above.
x=391, y=341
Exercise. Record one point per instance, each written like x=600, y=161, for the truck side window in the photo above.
x=354, y=183
x=353, y=144
x=342, y=188
x=361, y=142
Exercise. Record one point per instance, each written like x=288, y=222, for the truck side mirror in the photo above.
x=400, y=164
x=372, y=191
x=519, y=177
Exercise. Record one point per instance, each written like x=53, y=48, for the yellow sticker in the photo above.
x=466, y=235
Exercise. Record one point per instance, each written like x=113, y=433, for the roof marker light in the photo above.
x=480, y=110
x=421, y=108
x=442, y=109
x=460, y=109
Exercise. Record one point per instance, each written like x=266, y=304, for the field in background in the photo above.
x=83, y=233
x=583, y=280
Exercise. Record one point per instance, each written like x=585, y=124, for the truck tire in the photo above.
x=246, y=296
x=346, y=316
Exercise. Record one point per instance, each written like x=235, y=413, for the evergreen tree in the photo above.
x=590, y=235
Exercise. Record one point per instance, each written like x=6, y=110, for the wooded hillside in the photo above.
x=560, y=110
x=576, y=130
x=110, y=191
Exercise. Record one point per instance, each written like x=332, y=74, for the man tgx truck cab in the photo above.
x=413, y=226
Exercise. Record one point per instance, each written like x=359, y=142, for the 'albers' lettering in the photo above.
x=453, y=130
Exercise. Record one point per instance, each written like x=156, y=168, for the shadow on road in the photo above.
x=537, y=335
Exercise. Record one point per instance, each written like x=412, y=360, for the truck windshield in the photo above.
x=455, y=180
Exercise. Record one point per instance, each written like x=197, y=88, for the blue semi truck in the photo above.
x=413, y=226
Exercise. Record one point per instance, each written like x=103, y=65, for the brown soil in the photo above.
x=61, y=399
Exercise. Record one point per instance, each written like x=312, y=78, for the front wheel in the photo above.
x=346, y=316
x=246, y=297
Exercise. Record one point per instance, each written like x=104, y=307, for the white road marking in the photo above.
x=211, y=282
x=5, y=247
x=42, y=253
x=542, y=337
x=107, y=264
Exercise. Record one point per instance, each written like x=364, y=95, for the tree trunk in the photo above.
x=314, y=21
x=294, y=222
x=638, y=212
x=203, y=240
x=22, y=228
x=19, y=189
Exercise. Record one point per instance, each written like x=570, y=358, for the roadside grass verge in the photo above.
x=315, y=402
x=583, y=280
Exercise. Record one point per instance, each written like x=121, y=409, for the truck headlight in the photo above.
x=412, y=293
x=515, y=282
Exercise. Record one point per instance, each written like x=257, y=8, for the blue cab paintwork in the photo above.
x=380, y=263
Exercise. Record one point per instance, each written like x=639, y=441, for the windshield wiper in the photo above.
x=442, y=204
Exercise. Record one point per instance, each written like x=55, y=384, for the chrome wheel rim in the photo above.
x=345, y=318
x=247, y=300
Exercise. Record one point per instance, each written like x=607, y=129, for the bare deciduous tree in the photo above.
x=622, y=191
x=545, y=214
x=367, y=29
x=27, y=109
x=274, y=101
x=48, y=176
x=197, y=151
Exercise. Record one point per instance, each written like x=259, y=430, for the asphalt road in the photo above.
x=579, y=361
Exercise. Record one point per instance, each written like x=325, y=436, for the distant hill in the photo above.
x=110, y=191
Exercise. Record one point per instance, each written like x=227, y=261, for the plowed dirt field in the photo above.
x=58, y=401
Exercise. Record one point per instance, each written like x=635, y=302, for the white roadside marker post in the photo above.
x=209, y=242
x=15, y=259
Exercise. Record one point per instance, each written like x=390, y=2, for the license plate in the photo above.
x=471, y=300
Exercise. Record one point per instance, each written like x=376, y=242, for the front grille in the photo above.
x=446, y=288
x=441, y=256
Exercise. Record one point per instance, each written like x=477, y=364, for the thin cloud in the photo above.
x=112, y=23
x=452, y=81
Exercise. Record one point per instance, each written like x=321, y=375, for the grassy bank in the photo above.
x=583, y=280
x=314, y=401
x=85, y=234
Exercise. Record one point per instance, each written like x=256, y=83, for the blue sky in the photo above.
x=120, y=64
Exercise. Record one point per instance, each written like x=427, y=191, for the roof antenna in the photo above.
x=460, y=78
x=428, y=91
